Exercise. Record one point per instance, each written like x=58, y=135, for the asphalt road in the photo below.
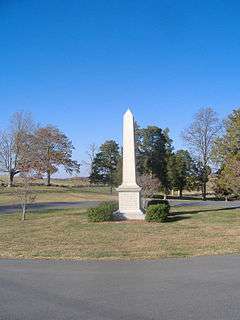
x=175, y=289
x=12, y=208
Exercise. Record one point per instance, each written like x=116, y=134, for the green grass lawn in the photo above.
x=66, y=234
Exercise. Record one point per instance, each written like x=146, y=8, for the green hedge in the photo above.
x=158, y=201
x=104, y=212
x=157, y=196
x=157, y=213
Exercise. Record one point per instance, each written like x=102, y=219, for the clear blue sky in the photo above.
x=80, y=64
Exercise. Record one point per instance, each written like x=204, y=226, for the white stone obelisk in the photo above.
x=129, y=191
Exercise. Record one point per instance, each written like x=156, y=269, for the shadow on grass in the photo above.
x=198, y=198
x=177, y=218
x=206, y=210
x=191, y=197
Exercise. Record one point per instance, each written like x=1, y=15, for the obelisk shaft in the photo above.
x=129, y=159
x=129, y=191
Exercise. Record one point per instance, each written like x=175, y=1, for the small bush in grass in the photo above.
x=104, y=212
x=158, y=201
x=157, y=213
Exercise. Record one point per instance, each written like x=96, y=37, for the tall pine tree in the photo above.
x=154, y=148
x=180, y=167
x=105, y=164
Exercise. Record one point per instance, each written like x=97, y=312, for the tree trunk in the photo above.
x=204, y=190
x=165, y=193
x=180, y=193
x=48, y=178
x=11, y=176
x=23, y=212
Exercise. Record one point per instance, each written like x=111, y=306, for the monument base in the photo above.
x=129, y=203
x=129, y=215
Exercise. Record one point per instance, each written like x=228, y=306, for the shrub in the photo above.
x=104, y=212
x=157, y=196
x=158, y=201
x=157, y=213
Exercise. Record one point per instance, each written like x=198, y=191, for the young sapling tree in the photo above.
x=25, y=194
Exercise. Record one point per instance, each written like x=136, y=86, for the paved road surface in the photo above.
x=4, y=209
x=199, y=288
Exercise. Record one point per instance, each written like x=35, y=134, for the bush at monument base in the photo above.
x=157, y=213
x=158, y=196
x=158, y=201
x=104, y=212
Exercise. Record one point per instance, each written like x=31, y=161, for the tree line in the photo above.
x=212, y=153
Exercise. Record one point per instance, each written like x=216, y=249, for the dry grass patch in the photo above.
x=60, y=194
x=66, y=234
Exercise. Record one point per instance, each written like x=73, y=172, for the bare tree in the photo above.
x=200, y=137
x=25, y=193
x=150, y=185
x=91, y=153
x=14, y=144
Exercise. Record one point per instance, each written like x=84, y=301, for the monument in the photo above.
x=129, y=192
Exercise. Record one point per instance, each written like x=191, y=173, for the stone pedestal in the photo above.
x=130, y=203
x=129, y=193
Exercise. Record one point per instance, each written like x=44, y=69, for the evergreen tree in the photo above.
x=180, y=170
x=105, y=164
x=199, y=176
x=154, y=148
x=117, y=175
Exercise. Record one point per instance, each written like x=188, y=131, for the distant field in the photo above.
x=71, y=189
x=67, y=182
x=61, y=190
x=66, y=234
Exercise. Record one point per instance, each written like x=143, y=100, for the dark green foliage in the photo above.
x=153, y=151
x=157, y=213
x=105, y=164
x=117, y=175
x=157, y=196
x=104, y=212
x=199, y=177
x=180, y=170
x=158, y=201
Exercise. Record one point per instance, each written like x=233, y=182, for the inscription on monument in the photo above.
x=128, y=201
